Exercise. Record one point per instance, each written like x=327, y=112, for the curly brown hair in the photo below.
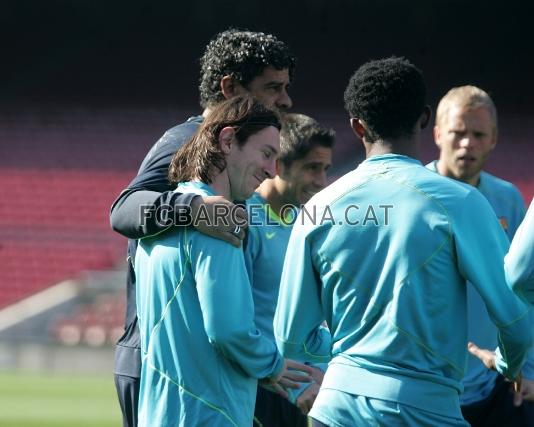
x=243, y=55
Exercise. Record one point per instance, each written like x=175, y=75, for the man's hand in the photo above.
x=487, y=357
x=290, y=376
x=305, y=400
x=217, y=217
x=524, y=392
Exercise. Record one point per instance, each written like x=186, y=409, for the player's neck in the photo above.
x=442, y=170
x=221, y=185
x=404, y=147
x=273, y=196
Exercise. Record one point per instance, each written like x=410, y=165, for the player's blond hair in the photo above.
x=469, y=97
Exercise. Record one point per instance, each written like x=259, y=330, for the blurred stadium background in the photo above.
x=87, y=87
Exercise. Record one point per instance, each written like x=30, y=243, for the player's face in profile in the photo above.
x=249, y=165
x=465, y=138
x=270, y=88
x=306, y=176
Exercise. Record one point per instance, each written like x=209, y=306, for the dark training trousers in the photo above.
x=128, y=392
x=273, y=410
x=498, y=409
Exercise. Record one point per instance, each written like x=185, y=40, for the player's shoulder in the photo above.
x=335, y=190
x=161, y=153
x=452, y=195
x=488, y=180
x=191, y=122
x=433, y=166
x=179, y=133
x=455, y=187
x=163, y=248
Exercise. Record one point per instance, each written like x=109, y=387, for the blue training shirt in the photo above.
x=268, y=236
x=507, y=203
x=264, y=257
x=201, y=351
x=384, y=261
x=519, y=262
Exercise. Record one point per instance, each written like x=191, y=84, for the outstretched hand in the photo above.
x=219, y=218
x=487, y=357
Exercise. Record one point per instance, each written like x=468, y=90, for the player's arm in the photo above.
x=298, y=318
x=139, y=212
x=480, y=246
x=150, y=205
x=228, y=310
x=519, y=262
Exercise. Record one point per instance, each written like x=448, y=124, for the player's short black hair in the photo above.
x=389, y=95
x=243, y=55
x=299, y=135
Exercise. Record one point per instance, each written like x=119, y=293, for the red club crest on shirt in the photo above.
x=504, y=223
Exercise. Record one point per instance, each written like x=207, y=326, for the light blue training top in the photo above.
x=391, y=284
x=201, y=351
x=264, y=257
x=519, y=262
x=508, y=205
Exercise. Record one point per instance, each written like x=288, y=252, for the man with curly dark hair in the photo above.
x=235, y=62
x=387, y=270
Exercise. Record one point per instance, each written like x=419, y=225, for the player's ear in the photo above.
x=426, y=115
x=494, y=139
x=230, y=87
x=358, y=127
x=437, y=136
x=226, y=139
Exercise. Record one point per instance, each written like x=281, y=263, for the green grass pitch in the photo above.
x=47, y=400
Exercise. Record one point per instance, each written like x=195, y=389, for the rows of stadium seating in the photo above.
x=54, y=224
x=60, y=171
x=94, y=324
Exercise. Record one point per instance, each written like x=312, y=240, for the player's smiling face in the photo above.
x=249, y=165
x=465, y=138
x=306, y=176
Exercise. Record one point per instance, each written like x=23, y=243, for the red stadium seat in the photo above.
x=62, y=232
